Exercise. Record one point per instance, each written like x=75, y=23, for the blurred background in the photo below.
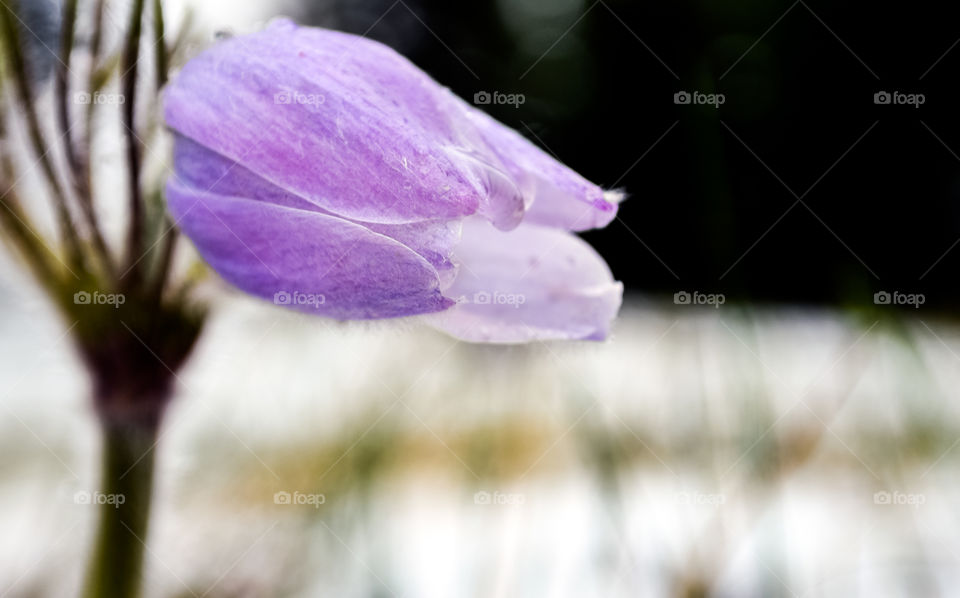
x=797, y=188
x=792, y=167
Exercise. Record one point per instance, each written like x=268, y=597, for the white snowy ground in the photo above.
x=731, y=449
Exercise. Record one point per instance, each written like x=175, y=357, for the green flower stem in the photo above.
x=117, y=559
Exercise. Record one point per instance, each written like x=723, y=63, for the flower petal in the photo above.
x=341, y=121
x=556, y=195
x=202, y=169
x=531, y=283
x=307, y=260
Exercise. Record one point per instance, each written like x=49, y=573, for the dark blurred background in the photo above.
x=797, y=188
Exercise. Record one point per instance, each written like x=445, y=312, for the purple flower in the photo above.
x=326, y=172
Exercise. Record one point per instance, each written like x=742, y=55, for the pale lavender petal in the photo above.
x=323, y=164
x=200, y=168
x=304, y=259
x=434, y=240
x=343, y=122
x=555, y=195
x=532, y=283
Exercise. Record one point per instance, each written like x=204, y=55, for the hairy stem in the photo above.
x=19, y=231
x=159, y=45
x=131, y=56
x=169, y=242
x=16, y=223
x=96, y=41
x=81, y=182
x=12, y=48
x=165, y=264
x=67, y=28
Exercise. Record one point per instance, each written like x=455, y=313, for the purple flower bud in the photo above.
x=326, y=172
